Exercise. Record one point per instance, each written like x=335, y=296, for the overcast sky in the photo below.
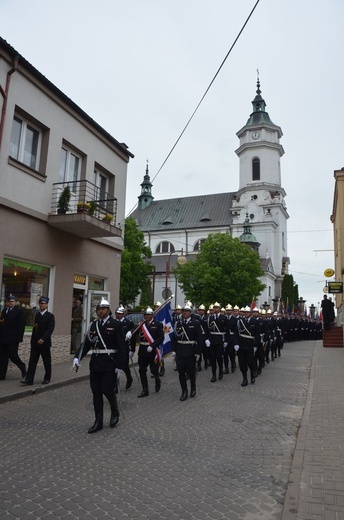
x=140, y=67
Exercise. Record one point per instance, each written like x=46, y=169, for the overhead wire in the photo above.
x=204, y=95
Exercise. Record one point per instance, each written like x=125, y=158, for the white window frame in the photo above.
x=65, y=174
x=20, y=147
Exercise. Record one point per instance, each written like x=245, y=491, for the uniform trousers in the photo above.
x=216, y=357
x=102, y=383
x=186, y=365
x=35, y=353
x=246, y=359
x=145, y=362
x=10, y=351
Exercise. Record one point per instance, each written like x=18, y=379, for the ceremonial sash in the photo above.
x=147, y=334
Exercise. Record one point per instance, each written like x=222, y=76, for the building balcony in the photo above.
x=84, y=210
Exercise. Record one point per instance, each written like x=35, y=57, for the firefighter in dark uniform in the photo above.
x=229, y=352
x=42, y=329
x=105, y=341
x=128, y=326
x=151, y=336
x=216, y=340
x=247, y=329
x=203, y=319
x=12, y=326
x=187, y=346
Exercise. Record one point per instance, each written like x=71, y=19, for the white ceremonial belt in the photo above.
x=186, y=342
x=246, y=336
x=231, y=333
x=218, y=333
x=144, y=343
x=102, y=351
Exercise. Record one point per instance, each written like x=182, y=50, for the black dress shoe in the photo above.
x=213, y=379
x=220, y=375
x=259, y=371
x=157, y=384
x=45, y=382
x=114, y=418
x=98, y=425
x=161, y=371
x=226, y=371
x=233, y=369
x=184, y=395
x=24, y=372
x=193, y=392
x=144, y=393
x=129, y=383
x=245, y=382
x=26, y=382
x=252, y=380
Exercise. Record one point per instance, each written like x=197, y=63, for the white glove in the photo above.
x=149, y=349
x=128, y=335
x=197, y=357
x=131, y=354
x=225, y=344
x=76, y=364
x=254, y=349
x=207, y=343
x=173, y=354
x=236, y=348
x=118, y=372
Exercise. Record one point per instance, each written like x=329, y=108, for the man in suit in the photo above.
x=105, y=341
x=42, y=329
x=12, y=326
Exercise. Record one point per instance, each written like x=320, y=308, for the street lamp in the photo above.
x=181, y=261
x=301, y=305
x=312, y=310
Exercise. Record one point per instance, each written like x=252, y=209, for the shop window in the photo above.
x=27, y=282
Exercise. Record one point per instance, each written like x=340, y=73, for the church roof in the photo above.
x=200, y=211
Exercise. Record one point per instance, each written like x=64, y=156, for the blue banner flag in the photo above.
x=165, y=316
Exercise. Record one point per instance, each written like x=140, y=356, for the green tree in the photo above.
x=290, y=292
x=225, y=270
x=134, y=269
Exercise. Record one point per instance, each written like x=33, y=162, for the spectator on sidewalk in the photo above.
x=12, y=326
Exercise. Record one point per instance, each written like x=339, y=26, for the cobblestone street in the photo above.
x=226, y=454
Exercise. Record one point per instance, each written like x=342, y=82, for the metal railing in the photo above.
x=83, y=197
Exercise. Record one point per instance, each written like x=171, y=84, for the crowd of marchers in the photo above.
x=217, y=338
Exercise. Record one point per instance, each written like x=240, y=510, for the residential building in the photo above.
x=49, y=144
x=256, y=213
x=337, y=219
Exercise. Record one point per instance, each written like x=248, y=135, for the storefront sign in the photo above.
x=335, y=287
x=80, y=279
x=328, y=273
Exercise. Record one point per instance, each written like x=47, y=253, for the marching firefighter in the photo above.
x=151, y=336
x=187, y=345
x=105, y=341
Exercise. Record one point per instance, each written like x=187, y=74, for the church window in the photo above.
x=198, y=244
x=256, y=169
x=164, y=247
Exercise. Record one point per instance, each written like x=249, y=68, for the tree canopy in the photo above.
x=225, y=270
x=134, y=269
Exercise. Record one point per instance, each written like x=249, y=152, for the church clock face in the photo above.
x=255, y=135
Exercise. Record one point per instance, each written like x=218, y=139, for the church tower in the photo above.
x=260, y=194
x=146, y=197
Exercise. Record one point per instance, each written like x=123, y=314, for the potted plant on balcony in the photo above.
x=92, y=208
x=83, y=207
x=107, y=218
x=64, y=199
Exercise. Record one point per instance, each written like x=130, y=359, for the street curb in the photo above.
x=291, y=501
x=38, y=389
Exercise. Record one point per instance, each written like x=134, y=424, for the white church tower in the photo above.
x=260, y=197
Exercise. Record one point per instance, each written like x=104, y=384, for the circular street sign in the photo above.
x=325, y=289
x=328, y=273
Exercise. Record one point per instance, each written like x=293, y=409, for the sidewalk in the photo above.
x=316, y=481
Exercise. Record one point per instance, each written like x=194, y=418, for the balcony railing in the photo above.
x=90, y=211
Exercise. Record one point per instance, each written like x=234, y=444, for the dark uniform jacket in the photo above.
x=156, y=331
x=12, y=326
x=113, y=337
x=127, y=326
x=43, y=327
x=217, y=328
x=188, y=338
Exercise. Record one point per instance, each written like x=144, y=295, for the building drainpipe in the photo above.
x=4, y=94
